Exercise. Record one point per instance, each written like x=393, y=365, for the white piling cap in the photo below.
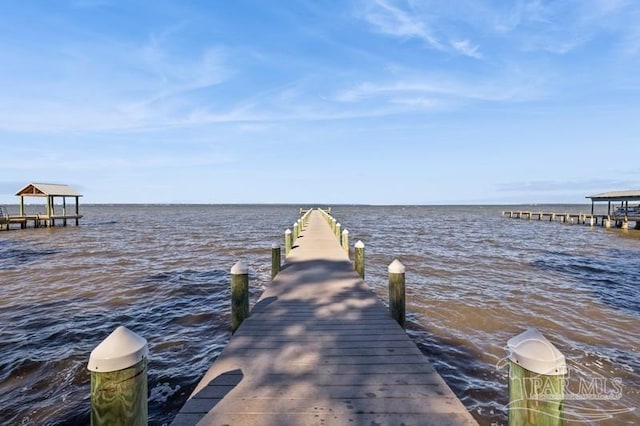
x=346, y=231
x=288, y=231
x=533, y=352
x=275, y=246
x=240, y=268
x=338, y=224
x=121, y=349
x=359, y=244
x=396, y=267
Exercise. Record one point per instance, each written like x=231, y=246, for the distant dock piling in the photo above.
x=397, y=292
x=358, y=258
x=239, y=295
x=276, y=259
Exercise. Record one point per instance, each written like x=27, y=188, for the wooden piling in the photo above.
x=338, y=231
x=358, y=256
x=345, y=241
x=397, y=291
x=536, y=381
x=239, y=294
x=288, y=242
x=295, y=231
x=276, y=260
x=118, y=368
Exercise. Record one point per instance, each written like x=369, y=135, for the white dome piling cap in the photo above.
x=275, y=246
x=396, y=267
x=121, y=349
x=240, y=268
x=359, y=244
x=346, y=231
x=288, y=231
x=533, y=352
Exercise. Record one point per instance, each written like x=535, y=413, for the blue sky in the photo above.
x=383, y=102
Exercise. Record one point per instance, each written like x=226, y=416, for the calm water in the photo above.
x=474, y=280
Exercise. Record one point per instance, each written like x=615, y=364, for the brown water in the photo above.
x=474, y=280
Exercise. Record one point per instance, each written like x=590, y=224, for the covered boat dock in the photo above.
x=624, y=213
x=49, y=217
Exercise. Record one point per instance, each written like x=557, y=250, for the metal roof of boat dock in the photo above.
x=48, y=189
x=616, y=196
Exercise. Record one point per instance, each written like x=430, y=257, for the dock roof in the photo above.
x=48, y=189
x=616, y=196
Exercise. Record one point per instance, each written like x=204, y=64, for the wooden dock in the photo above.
x=319, y=348
x=604, y=220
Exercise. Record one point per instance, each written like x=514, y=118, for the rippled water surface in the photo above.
x=474, y=279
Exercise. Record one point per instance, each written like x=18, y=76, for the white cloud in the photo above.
x=391, y=20
x=466, y=48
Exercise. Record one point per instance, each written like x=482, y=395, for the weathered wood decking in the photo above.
x=320, y=349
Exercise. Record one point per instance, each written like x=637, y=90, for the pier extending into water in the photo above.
x=320, y=348
x=604, y=220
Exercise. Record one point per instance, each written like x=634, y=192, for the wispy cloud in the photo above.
x=439, y=87
x=466, y=48
x=390, y=18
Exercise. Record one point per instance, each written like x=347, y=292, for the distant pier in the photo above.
x=620, y=216
x=50, y=216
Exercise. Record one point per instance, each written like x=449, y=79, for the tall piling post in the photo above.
x=345, y=241
x=536, y=380
x=333, y=224
x=358, y=255
x=288, y=242
x=118, y=368
x=397, y=291
x=295, y=231
x=239, y=294
x=276, y=261
x=338, y=231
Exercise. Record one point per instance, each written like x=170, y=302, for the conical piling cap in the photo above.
x=533, y=352
x=121, y=349
x=396, y=267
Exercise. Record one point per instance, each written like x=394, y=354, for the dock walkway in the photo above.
x=320, y=349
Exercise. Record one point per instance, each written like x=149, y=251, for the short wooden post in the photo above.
x=118, y=368
x=338, y=231
x=333, y=225
x=288, y=243
x=397, y=292
x=275, y=259
x=359, y=258
x=606, y=222
x=591, y=221
x=536, y=380
x=345, y=240
x=239, y=294
x=295, y=231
